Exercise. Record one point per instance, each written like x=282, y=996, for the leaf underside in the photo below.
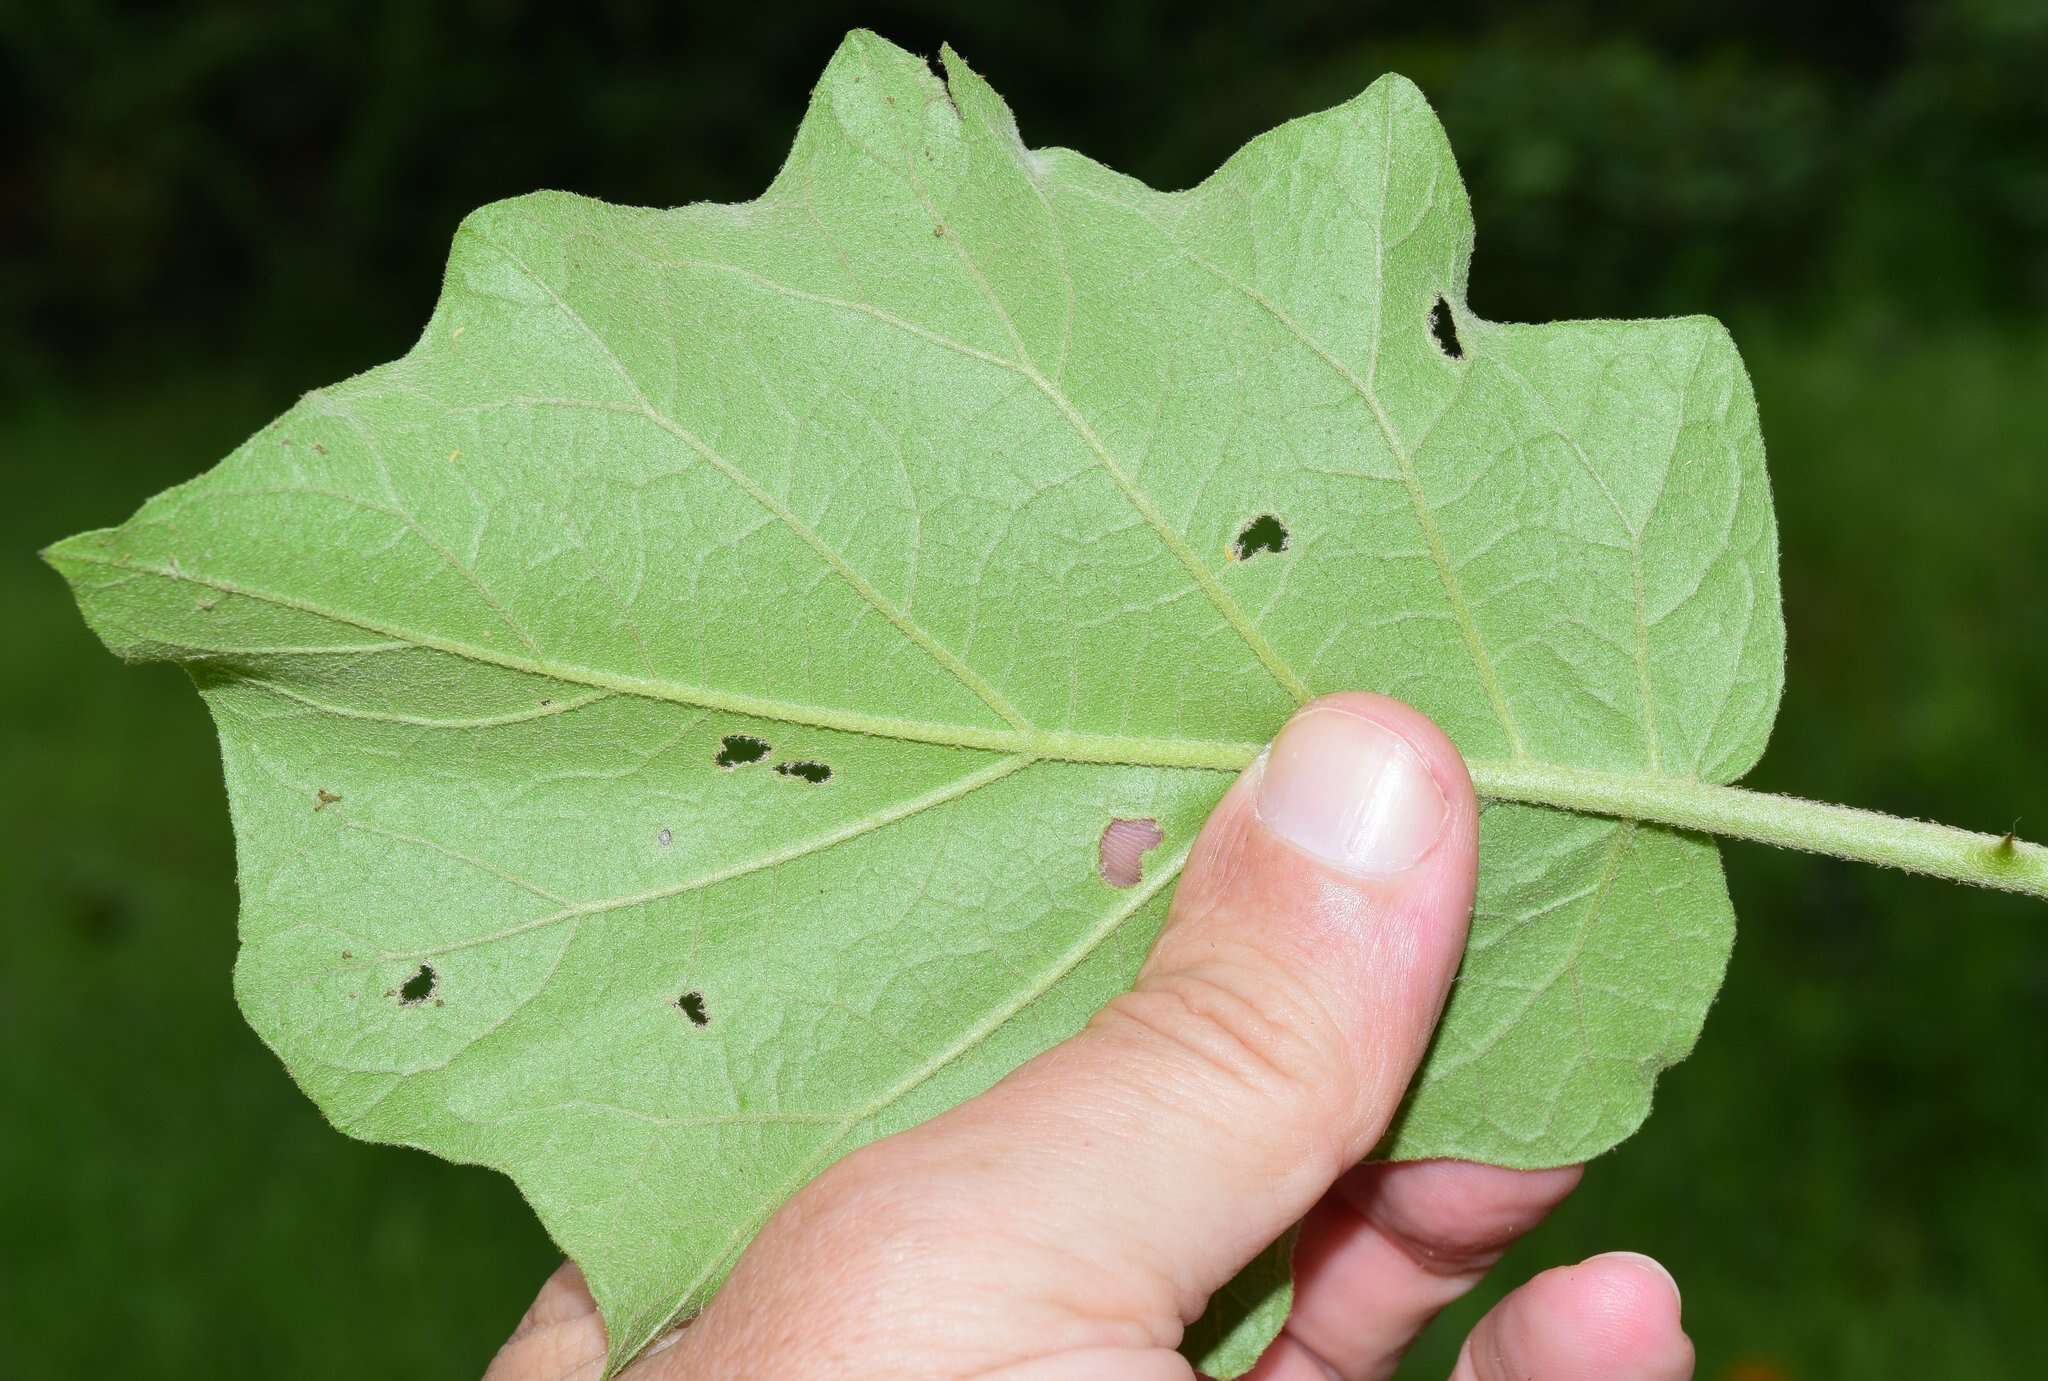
x=672, y=715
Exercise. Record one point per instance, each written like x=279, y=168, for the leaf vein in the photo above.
x=803, y=531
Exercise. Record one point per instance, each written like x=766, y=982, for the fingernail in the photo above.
x=1645, y=1263
x=1351, y=791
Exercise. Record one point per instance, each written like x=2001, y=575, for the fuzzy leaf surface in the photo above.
x=933, y=469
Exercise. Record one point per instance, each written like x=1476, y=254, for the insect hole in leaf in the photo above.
x=737, y=750
x=1443, y=329
x=1263, y=533
x=419, y=987
x=1120, y=852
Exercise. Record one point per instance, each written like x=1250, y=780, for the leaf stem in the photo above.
x=1789, y=822
x=1863, y=836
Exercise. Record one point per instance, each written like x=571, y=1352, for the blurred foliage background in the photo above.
x=206, y=209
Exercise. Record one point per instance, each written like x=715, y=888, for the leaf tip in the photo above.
x=66, y=552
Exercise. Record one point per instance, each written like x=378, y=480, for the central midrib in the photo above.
x=1527, y=779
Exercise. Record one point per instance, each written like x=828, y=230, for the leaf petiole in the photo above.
x=1863, y=836
x=1789, y=822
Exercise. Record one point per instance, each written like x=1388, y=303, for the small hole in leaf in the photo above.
x=1120, y=853
x=665, y=838
x=1263, y=533
x=419, y=987
x=1443, y=329
x=736, y=750
x=692, y=1005
x=812, y=772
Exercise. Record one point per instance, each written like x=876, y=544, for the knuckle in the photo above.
x=883, y=1213
x=852, y=1251
x=558, y=1352
x=858, y=1209
x=1255, y=1052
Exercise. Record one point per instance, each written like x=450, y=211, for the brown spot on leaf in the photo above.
x=323, y=798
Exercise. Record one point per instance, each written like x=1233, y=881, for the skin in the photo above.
x=1068, y=1223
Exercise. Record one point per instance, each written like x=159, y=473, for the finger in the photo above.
x=1121, y=1177
x=1391, y=1245
x=1275, y=1025
x=1612, y=1318
x=560, y=1338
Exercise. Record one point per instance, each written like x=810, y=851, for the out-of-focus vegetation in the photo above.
x=219, y=206
x=283, y=179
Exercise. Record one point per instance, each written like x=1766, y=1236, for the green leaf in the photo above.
x=1246, y=1315
x=1020, y=498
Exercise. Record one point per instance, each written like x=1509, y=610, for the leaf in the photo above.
x=1246, y=1315
x=670, y=717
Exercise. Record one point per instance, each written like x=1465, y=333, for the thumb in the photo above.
x=1271, y=1033
x=1106, y=1188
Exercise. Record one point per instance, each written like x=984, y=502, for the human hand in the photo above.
x=1069, y=1222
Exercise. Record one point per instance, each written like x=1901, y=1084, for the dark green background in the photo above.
x=206, y=210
